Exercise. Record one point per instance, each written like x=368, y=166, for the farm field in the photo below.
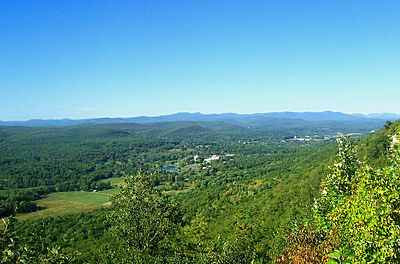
x=62, y=203
x=113, y=181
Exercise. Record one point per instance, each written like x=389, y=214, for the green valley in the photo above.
x=224, y=194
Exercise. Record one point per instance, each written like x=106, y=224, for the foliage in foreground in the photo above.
x=15, y=251
x=143, y=220
x=148, y=227
x=357, y=217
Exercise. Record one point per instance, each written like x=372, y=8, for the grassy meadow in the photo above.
x=61, y=203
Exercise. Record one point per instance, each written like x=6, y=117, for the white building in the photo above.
x=212, y=158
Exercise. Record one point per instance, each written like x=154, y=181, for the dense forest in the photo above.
x=236, y=194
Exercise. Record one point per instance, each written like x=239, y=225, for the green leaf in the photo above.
x=335, y=255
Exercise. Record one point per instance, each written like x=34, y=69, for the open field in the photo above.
x=61, y=203
x=113, y=181
x=68, y=203
x=110, y=192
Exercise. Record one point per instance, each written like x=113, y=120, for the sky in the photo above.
x=84, y=59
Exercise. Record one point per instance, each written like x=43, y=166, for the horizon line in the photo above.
x=202, y=113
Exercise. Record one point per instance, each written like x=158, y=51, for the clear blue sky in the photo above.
x=81, y=59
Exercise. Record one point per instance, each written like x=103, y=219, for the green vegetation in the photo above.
x=143, y=222
x=39, y=161
x=239, y=196
x=13, y=250
x=68, y=202
x=356, y=219
x=113, y=181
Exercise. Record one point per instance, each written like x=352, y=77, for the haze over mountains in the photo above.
x=233, y=118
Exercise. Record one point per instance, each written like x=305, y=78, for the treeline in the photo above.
x=21, y=201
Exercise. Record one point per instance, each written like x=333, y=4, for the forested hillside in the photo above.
x=356, y=219
x=37, y=161
x=195, y=192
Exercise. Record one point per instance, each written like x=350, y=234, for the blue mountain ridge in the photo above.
x=239, y=119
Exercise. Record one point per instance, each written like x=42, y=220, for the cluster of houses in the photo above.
x=325, y=137
x=212, y=158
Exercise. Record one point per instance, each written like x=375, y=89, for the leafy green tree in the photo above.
x=339, y=183
x=143, y=221
x=367, y=223
x=357, y=217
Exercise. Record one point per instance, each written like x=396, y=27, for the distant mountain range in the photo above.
x=233, y=118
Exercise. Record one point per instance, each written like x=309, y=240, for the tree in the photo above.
x=356, y=219
x=339, y=183
x=143, y=221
